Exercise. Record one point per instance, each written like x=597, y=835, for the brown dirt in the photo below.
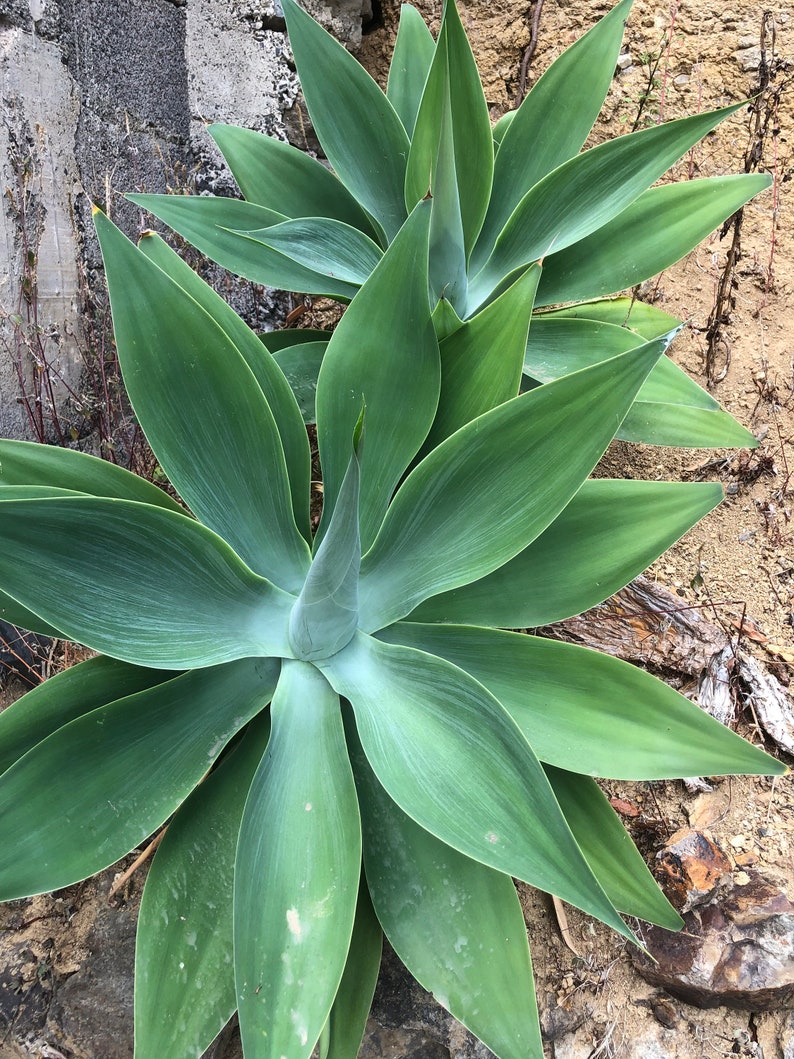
x=740, y=559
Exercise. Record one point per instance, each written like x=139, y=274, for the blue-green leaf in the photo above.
x=587, y=192
x=453, y=760
x=325, y=615
x=211, y=224
x=277, y=175
x=116, y=773
x=486, y=492
x=410, y=63
x=654, y=232
x=297, y=872
x=146, y=585
x=453, y=76
x=553, y=121
x=610, y=852
x=272, y=383
x=362, y=136
x=456, y=924
x=345, y=1027
x=607, y=535
x=589, y=712
x=218, y=443
x=184, y=970
x=322, y=244
x=384, y=355
x=66, y=696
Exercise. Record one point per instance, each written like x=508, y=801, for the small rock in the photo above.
x=737, y=951
x=690, y=867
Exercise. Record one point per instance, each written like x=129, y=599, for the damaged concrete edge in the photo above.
x=96, y=102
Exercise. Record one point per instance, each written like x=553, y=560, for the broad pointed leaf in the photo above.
x=486, y=492
x=297, y=872
x=553, y=121
x=272, y=383
x=670, y=408
x=218, y=442
x=684, y=424
x=384, y=354
x=117, y=773
x=456, y=925
x=301, y=365
x=607, y=535
x=647, y=320
x=145, y=585
x=589, y=712
x=585, y=193
x=277, y=175
x=481, y=362
x=453, y=75
x=447, y=268
x=325, y=615
x=655, y=231
x=26, y=464
x=184, y=969
x=345, y=1027
x=360, y=132
x=211, y=225
x=66, y=696
x=452, y=759
x=322, y=244
x=611, y=854
x=410, y=63
x=15, y=614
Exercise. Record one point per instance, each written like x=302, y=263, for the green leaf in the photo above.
x=117, y=773
x=453, y=76
x=481, y=362
x=16, y=614
x=27, y=464
x=647, y=320
x=553, y=121
x=66, y=696
x=410, y=63
x=456, y=925
x=297, y=872
x=588, y=712
x=278, y=341
x=367, y=363
x=184, y=970
x=362, y=136
x=272, y=383
x=278, y=176
x=684, y=424
x=301, y=365
x=345, y=1027
x=218, y=443
x=499, y=130
x=211, y=224
x=607, y=535
x=486, y=492
x=146, y=585
x=653, y=233
x=615, y=860
x=322, y=244
x=558, y=345
x=586, y=192
x=325, y=615
x=452, y=759
x=447, y=263
x=670, y=408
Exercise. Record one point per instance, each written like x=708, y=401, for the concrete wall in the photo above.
x=97, y=98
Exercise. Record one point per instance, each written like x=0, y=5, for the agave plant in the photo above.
x=502, y=200
x=298, y=707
